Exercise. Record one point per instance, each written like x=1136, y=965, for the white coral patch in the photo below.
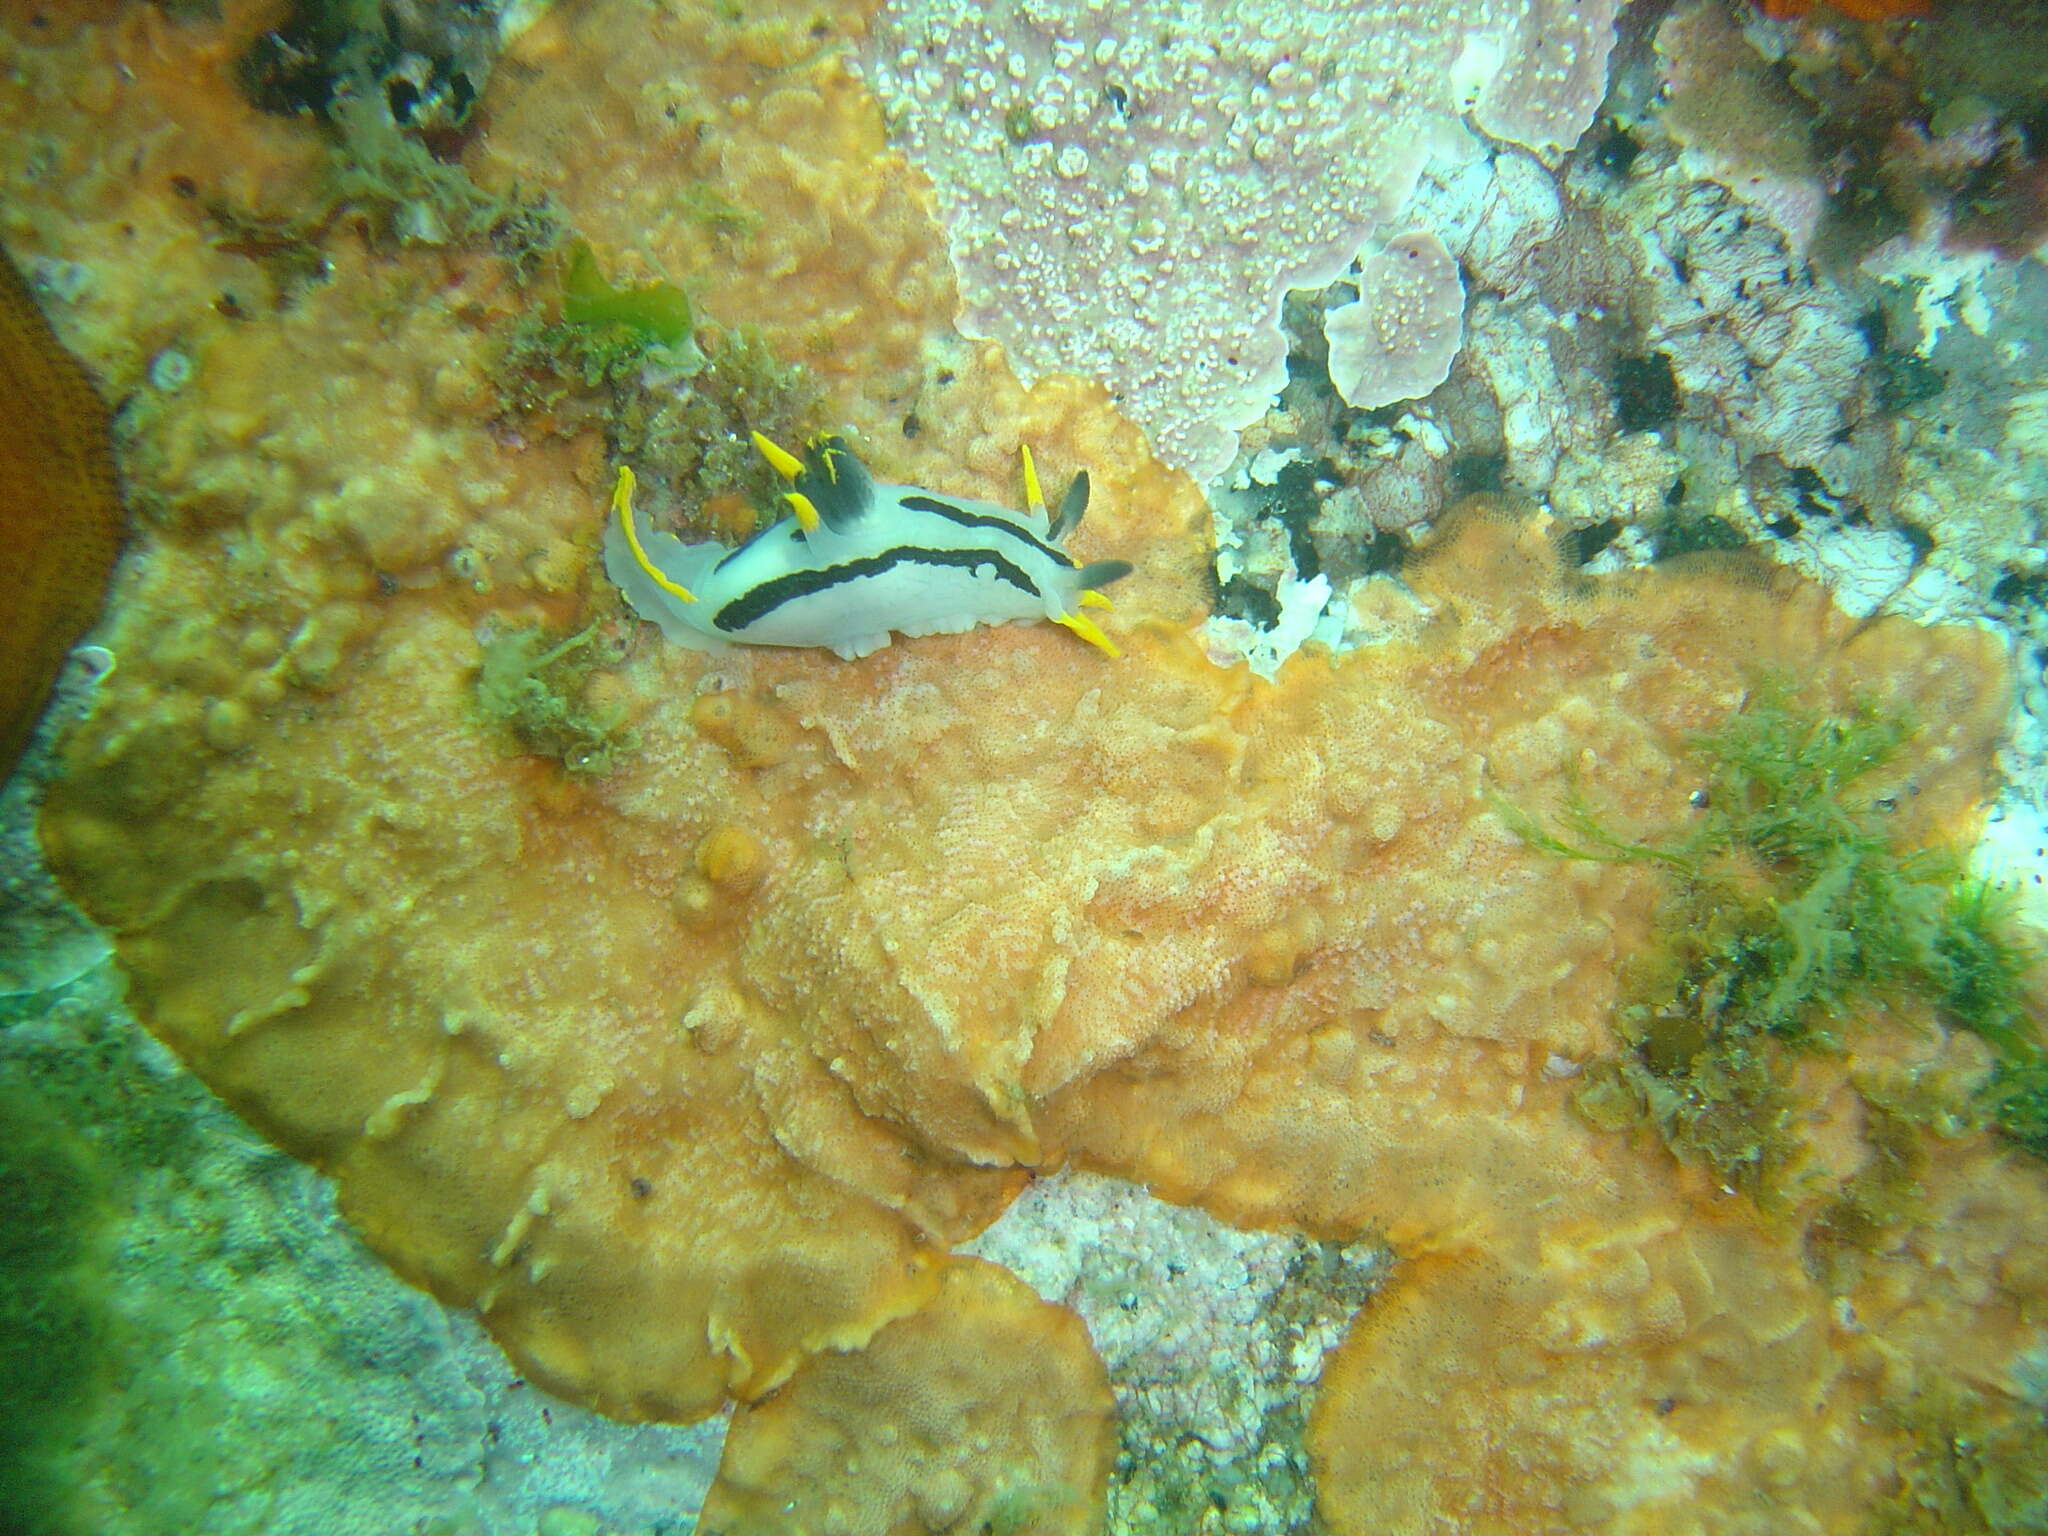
x=1211, y=155
x=1398, y=340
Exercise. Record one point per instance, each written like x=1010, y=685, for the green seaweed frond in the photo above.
x=535, y=686
x=628, y=364
x=1793, y=913
x=1980, y=966
x=2018, y=1098
x=659, y=312
x=547, y=363
x=1584, y=835
x=1724, y=1104
x=1781, y=778
x=1886, y=1191
x=706, y=205
x=610, y=347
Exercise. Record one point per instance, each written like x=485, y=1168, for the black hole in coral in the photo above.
x=1582, y=544
x=1615, y=150
x=403, y=97
x=1479, y=474
x=1645, y=392
x=1240, y=598
x=2016, y=587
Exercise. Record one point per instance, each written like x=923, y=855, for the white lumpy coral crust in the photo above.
x=1129, y=189
x=1398, y=339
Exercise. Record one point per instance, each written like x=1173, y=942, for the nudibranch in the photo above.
x=855, y=561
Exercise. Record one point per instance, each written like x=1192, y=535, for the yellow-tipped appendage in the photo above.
x=622, y=508
x=1090, y=631
x=786, y=464
x=1034, y=498
x=781, y=460
x=789, y=466
x=1080, y=624
x=800, y=505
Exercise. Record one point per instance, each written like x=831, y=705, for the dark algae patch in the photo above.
x=53, y=1210
x=1970, y=1468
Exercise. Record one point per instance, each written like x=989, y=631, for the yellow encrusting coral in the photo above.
x=985, y=1411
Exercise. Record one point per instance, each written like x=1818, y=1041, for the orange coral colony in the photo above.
x=688, y=1076
x=60, y=508
x=986, y=1411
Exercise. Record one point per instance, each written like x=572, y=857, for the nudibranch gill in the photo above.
x=855, y=562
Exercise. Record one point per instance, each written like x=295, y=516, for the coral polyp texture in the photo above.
x=1124, y=188
x=1004, y=1426
x=689, y=1069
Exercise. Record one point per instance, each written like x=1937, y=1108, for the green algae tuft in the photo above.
x=1793, y=912
x=659, y=311
x=1973, y=1466
x=537, y=686
x=675, y=403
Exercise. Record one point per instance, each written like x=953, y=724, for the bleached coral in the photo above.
x=1631, y=479
x=1127, y=194
x=1744, y=324
x=1497, y=213
x=1547, y=410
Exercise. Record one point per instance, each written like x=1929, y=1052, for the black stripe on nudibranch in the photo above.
x=758, y=602
x=967, y=519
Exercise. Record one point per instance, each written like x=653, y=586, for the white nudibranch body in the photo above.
x=856, y=562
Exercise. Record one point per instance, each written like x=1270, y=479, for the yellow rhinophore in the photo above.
x=789, y=466
x=800, y=505
x=781, y=460
x=622, y=508
x=1033, y=497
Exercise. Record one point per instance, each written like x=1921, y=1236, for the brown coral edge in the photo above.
x=60, y=508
